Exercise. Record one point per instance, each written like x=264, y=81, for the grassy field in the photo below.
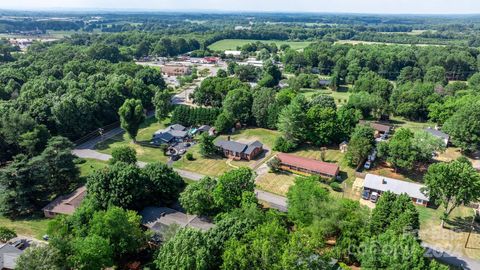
x=90, y=166
x=357, y=42
x=265, y=136
x=340, y=97
x=399, y=122
x=32, y=227
x=454, y=236
x=232, y=44
x=145, y=154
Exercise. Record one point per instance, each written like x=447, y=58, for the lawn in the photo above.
x=454, y=236
x=399, y=122
x=232, y=44
x=90, y=166
x=32, y=227
x=340, y=97
x=146, y=154
x=217, y=166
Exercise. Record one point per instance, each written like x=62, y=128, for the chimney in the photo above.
x=228, y=138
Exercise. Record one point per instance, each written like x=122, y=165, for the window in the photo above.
x=419, y=201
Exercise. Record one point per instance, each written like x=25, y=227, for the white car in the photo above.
x=367, y=165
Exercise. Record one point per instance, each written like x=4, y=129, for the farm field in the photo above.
x=232, y=44
x=146, y=154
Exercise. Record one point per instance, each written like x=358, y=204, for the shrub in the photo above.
x=189, y=156
x=6, y=234
x=283, y=145
x=336, y=186
x=274, y=164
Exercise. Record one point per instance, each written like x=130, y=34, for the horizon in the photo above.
x=370, y=7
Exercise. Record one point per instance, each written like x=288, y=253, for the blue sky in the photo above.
x=347, y=6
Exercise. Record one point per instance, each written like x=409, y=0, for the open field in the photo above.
x=402, y=122
x=265, y=136
x=31, y=227
x=90, y=166
x=357, y=42
x=146, y=154
x=454, y=236
x=232, y=44
x=340, y=97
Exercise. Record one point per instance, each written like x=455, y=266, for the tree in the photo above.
x=207, y=146
x=186, y=250
x=452, y=184
x=322, y=125
x=265, y=109
x=224, y=122
x=395, y=213
x=400, y=151
x=238, y=104
x=91, y=253
x=42, y=257
x=230, y=188
x=427, y=144
x=302, y=197
x=393, y=251
x=120, y=185
x=464, y=126
x=120, y=229
x=360, y=145
x=131, y=116
x=164, y=184
x=274, y=164
x=291, y=121
x=372, y=83
x=197, y=198
x=436, y=74
x=6, y=234
x=324, y=101
x=222, y=73
x=163, y=104
x=124, y=154
x=284, y=145
x=34, y=142
x=474, y=81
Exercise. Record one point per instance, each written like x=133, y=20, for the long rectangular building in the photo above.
x=307, y=165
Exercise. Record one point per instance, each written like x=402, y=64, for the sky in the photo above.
x=335, y=6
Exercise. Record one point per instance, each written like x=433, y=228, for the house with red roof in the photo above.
x=309, y=166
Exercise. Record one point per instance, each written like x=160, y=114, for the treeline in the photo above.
x=14, y=26
x=189, y=116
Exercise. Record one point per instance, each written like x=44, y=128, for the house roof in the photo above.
x=251, y=147
x=231, y=146
x=8, y=256
x=164, y=136
x=396, y=186
x=159, y=218
x=177, y=127
x=67, y=204
x=437, y=133
x=204, y=128
x=378, y=126
x=178, y=133
x=309, y=164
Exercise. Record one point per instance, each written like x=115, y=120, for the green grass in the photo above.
x=232, y=44
x=31, y=227
x=265, y=136
x=340, y=97
x=90, y=166
x=402, y=122
x=146, y=154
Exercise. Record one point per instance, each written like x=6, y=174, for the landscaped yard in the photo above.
x=32, y=227
x=399, y=122
x=454, y=238
x=90, y=166
x=217, y=166
x=146, y=154
x=232, y=44
x=340, y=97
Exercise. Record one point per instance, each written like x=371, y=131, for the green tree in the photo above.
x=464, y=126
x=186, y=250
x=230, y=188
x=360, y=145
x=6, y=234
x=163, y=185
x=322, y=125
x=34, y=142
x=238, y=104
x=207, y=146
x=224, y=122
x=400, y=151
x=291, y=121
x=91, y=253
x=124, y=154
x=42, y=257
x=324, y=101
x=474, y=81
x=131, y=116
x=265, y=107
x=197, y=198
x=120, y=229
x=436, y=74
x=163, y=104
x=452, y=184
x=274, y=164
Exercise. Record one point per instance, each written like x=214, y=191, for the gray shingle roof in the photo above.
x=163, y=136
x=177, y=127
x=437, y=133
x=231, y=146
x=8, y=256
x=383, y=184
x=254, y=145
x=159, y=218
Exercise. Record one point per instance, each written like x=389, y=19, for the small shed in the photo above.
x=343, y=147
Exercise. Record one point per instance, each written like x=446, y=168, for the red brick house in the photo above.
x=309, y=166
x=238, y=151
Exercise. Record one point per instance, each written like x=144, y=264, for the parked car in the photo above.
x=20, y=244
x=182, y=151
x=366, y=194
x=367, y=165
x=374, y=197
x=187, y=144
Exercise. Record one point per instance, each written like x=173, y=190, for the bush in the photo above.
x=6, y=234
x=283, y=145
x=124, y=154
x=274, y=164
x=336, y=186
x=189, y=156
